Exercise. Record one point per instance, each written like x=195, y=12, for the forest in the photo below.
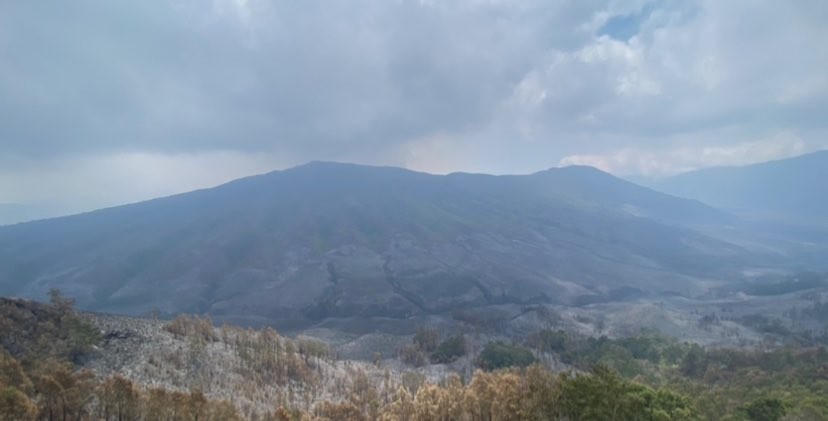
x=45, y=349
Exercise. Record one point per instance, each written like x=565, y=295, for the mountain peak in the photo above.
x=332, y=167
x=328, y=239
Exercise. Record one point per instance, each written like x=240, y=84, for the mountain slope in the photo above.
x=336, y=240
x=789, y=187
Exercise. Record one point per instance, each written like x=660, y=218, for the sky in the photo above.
x=105, y=102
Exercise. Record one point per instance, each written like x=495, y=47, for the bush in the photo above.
x=502, y=355
x=426, y=339
x=412, y=355
x=449, y=350
x=765, y=409
x=312, y=348
x=549, y=341
x=603, y=394
x=192, y=326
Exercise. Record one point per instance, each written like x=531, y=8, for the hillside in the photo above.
x=787, y=189
x=327, y=240
x=187, y=368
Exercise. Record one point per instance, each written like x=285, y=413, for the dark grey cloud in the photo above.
x=118, y=89
x=307, y=77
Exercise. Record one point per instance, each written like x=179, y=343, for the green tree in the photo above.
x=766, y=409
x=694, y=363
x=604, y=395
x=449, y=350
x=600, y=395
x=502, y=355
x=667, y=405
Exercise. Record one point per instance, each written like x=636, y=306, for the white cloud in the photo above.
x=666, y=162
x=92, y=181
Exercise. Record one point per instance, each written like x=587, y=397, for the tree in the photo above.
x=426, y=339
x=196, y=405
x=666, y=405
x=600, y=395
x=541, y=394
x=344, y=411
x=766, y=409
x=549, y=340
x=401, y=408
x=15, y=405
x=502, y=355
x=694, y=363
x=11, y=373
x=62, y=303
x=118, y=399
x=223, y=411
x=449, y=350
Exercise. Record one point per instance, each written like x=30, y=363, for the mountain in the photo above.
x=792, y=188
x=329, y=240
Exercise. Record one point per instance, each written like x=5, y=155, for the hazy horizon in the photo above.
x=12, y=213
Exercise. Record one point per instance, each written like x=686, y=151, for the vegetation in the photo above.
x=39, y=379
x=54, y=331
x=533, y=393
x=449, y=350
x=648, y=377
x=426, y=346
x=502, y=355
x=786, y=284
x=757, y=384
x=603, y=395
x=426, y=339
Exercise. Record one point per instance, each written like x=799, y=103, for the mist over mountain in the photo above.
x=787, y=189
x=330, y=240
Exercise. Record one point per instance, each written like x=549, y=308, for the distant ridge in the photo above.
x=786, y=188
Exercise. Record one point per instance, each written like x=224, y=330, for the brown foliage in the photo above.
x=345, y=411
x=61, y=391
x=15, y=405
x=192, y=326
x=118, y=399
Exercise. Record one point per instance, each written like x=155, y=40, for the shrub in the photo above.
x=549, y=340
x=765, y=409
x=426, y=339
x=412, y=355
x=502, y=355
x=192, y=326
x=449, y=350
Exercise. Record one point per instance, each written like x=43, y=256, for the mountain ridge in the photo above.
x=783, y=188
x=329, y=240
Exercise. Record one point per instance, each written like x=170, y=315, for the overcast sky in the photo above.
x=112, y=101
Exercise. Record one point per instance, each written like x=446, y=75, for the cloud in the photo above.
x=321, y=78
x=666, y=162
x=129, y=177
x=494, y=85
